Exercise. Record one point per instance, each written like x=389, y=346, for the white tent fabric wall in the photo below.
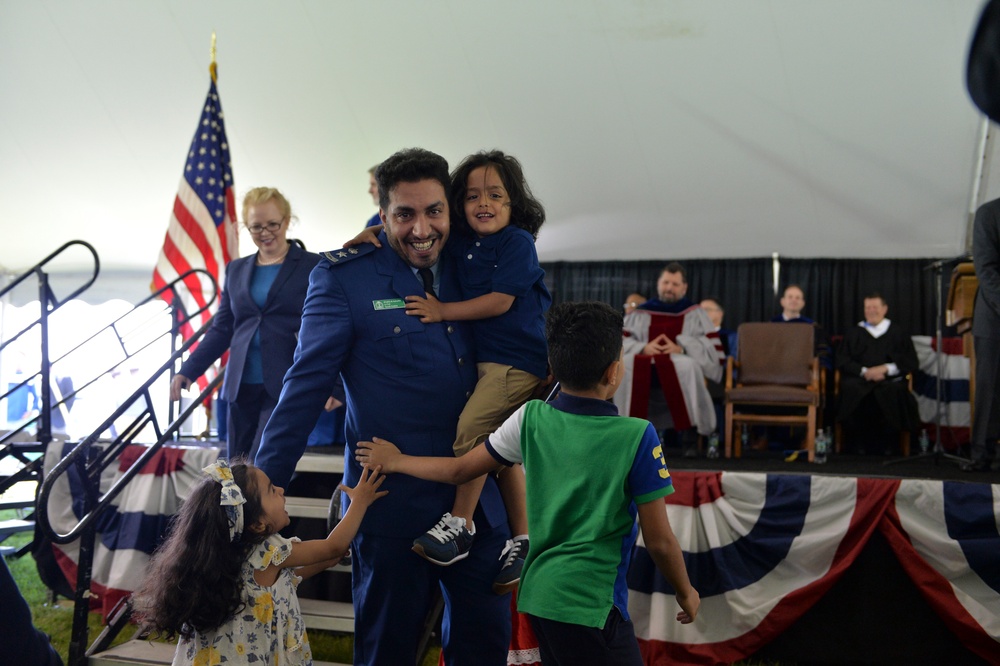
x=649, y=130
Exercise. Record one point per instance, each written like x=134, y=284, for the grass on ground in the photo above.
x=56, y=619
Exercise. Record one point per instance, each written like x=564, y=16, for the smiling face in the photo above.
x=875, y=310
x=487, y=204
x=263, y=215
x=671, y=287
x=793, y=302
x=274, y=517
x=416, y=221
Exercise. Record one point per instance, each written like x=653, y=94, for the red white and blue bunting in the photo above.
x=762, y=548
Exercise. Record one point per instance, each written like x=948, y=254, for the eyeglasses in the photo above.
x=258, y=229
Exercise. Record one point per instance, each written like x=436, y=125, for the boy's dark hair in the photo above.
x=410, y=165
x=584, y=339
x=193, y=582
x=526, y=212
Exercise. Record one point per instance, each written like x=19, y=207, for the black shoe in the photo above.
x=976, y=466
x=513, y=562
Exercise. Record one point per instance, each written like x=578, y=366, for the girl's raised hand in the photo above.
x=367, y=490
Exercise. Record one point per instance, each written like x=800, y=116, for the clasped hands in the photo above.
x=661, y=344
x=877, y=374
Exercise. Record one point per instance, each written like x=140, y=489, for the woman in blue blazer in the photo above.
x=257, y=321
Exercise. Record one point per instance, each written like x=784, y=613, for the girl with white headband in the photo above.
x=224, y=580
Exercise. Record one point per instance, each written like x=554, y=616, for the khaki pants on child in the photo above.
x=501, y=389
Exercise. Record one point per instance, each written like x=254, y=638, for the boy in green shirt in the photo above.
x=589, y=473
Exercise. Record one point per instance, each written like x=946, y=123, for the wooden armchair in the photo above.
x=776, y=367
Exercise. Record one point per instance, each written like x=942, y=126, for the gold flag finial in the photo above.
x=211, y=67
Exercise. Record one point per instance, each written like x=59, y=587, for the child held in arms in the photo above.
x=495, y=220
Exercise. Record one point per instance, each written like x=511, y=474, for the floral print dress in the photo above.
x=268, y=631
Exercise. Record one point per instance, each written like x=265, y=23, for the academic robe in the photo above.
x=681, y=376
x=893, y=397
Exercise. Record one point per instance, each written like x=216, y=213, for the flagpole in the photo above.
x=201, y=232
x=211, y=66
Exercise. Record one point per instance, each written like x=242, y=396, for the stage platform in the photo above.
x=851, y=561
x=837, y=464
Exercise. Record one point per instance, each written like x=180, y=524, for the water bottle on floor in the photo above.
x=925, y=442
x=713, y=445
x=822, y=444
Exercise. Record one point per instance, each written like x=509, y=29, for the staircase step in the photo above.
x=8, y=527
x=147, y=652
x=307, y=507
x=332, y=463
x=16, y=504
x=328, y=615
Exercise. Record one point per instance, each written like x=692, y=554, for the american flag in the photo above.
x=202, y=229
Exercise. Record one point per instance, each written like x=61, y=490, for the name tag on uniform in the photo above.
x=389, y=304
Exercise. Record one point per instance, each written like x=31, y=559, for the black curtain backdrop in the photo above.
x=742, y=286
x=834, y=288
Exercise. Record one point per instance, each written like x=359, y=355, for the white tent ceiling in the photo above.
x=649, y=129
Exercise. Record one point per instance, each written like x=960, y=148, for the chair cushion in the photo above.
x=772, y=393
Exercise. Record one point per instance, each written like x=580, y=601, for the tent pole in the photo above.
x=981, y=173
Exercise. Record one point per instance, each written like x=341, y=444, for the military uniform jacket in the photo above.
x=405, y=381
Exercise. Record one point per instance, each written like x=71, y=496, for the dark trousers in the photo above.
x=566, y=644
x=247, y=417
x=394, y=588
x=986, y=421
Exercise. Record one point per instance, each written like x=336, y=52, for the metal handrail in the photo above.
x=80, y=456
x=95, y=503
x=37, y=268
x=148, y=416
x=48, y=303
x=123, y=338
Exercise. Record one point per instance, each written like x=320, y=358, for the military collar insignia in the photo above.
x=345, y=254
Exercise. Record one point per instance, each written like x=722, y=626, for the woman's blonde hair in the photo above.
x=259, y=195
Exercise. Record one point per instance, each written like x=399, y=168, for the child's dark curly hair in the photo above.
x=526, y=212
x=584, y=339
x=193, y=582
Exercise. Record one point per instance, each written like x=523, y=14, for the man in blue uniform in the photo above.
x=406, y=382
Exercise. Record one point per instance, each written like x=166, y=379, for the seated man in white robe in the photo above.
x=670, y=348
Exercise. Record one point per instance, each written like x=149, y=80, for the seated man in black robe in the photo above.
x=875, y=400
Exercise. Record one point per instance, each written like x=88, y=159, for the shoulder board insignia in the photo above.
x=347, y=253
